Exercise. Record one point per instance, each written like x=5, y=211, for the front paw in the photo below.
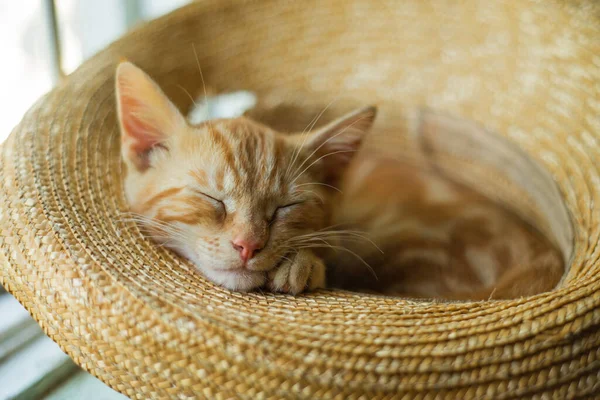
x=298, y=272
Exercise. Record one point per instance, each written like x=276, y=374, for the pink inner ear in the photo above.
x=335, y=165
x=337, y=151
x=139, y=135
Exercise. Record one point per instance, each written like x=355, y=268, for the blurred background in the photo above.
x=42, y=40
x=40, y=37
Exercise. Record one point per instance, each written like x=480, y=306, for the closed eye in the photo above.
x=290, y=205
x=214, y=200
x=284, y=208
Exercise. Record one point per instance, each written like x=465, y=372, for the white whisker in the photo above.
x=314, y=193
x=319, y=159
x=339, y=234
x=323, y=144
x=208, y=121
x=305, y=132
x=321, y=184
x=188, y=94
x=342, y=249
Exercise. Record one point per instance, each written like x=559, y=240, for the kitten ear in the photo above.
x=146, y=116
x=337, y=142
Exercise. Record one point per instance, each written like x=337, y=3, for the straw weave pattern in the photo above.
x=141, y=320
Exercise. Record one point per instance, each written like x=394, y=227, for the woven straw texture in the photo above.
x=137, y=316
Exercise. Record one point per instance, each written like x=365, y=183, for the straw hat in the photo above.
x=142, y=321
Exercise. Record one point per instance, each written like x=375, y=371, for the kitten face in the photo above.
x=225, y=183
x=228, y=194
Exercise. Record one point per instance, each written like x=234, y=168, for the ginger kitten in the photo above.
x=231, y=195
x=252, y=207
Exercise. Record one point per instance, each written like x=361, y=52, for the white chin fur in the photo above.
x=241, y=280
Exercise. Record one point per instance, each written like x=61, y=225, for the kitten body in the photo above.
x=252, y=207
x=435, y=238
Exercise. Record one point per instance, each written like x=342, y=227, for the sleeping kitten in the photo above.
x=252, y=207
x=231, y=195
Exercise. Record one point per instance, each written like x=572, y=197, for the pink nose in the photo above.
x=246, y=248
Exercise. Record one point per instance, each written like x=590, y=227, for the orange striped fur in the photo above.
x=439, y=238
x=197, y=189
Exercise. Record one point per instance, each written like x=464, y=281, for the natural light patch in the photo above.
x=25, y=72
x=227, y=105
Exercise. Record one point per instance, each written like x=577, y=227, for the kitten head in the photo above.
x=229, y=194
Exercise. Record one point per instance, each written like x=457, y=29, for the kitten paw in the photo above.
x=305, y=271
